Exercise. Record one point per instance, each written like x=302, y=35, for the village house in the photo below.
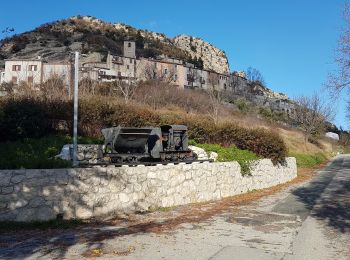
x=34, y=71
x=170, y=70
x=126, y=67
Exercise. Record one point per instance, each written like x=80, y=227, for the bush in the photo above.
x=26, y=118
x=38, y=153
x=260, y=141
x=21, y=118
x=33, y=153
x=242, y=105
x=273, y=115
x=232, y=153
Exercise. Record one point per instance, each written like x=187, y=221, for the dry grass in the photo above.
x=172, y=102
x=295, y=142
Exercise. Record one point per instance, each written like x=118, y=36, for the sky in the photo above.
x=291, y=42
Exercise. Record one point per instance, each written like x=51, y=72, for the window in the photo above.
x=14, y=80
x=33, y=67
x=129, y=44
x=165, y=71
x=130, y=60
x=16, y=67
x=175, y=77
x=30, y=80
x=127, y=67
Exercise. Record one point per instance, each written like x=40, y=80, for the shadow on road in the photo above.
x=328, y=195
x=55, y=244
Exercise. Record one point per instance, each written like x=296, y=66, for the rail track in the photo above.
x=134, y=164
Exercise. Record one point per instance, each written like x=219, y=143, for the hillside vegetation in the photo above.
x=230, y=120
x=35, y=115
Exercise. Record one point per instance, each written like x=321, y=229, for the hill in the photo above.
x=95, y=38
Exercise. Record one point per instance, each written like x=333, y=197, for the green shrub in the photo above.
x=273, y=115
x=260, y=141
x=231, y=153
x=309, y=160
x=242, y=104
x=22, y=118
x=33, y=153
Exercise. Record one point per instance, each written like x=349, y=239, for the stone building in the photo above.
x=125, y=67
x=170, y=70
x=129, y=49
x=35, y=71
x=205, y=79
x=63, y=71
x=23, y=70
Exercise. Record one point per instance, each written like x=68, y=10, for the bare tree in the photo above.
x=215, y=95
x=311, y=115
x=128, y=84
x=7, y=88
x=54, y=88
x=126, y=87
x=164, y=75
x=254, y=75
x=159, y=83
x=192, y=77
x=339, y=80
x=87, y=86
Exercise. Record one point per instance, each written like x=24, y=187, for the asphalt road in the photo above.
x=308, y=221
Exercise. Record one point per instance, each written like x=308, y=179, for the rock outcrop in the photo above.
x=213, y=58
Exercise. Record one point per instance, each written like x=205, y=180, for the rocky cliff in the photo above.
x=213, y=58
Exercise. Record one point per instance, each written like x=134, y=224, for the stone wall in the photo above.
x=28, y=195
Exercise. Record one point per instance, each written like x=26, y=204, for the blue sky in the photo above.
x=291, y=42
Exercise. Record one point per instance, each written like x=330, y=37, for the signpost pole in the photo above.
x=75, y=117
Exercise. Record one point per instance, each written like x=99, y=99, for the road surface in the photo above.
x=306, y=221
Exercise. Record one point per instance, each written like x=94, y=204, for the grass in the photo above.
x=309, y=160
x=164, y=209
x=42, y=225
x=295, y=141
x=231, y=153
x=36, y=153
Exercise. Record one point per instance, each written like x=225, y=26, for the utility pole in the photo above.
x=75, y=117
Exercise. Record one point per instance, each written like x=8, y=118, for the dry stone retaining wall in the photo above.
x=28, y=195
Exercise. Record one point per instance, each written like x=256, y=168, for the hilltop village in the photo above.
x=129, y=61
x=130, y=67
